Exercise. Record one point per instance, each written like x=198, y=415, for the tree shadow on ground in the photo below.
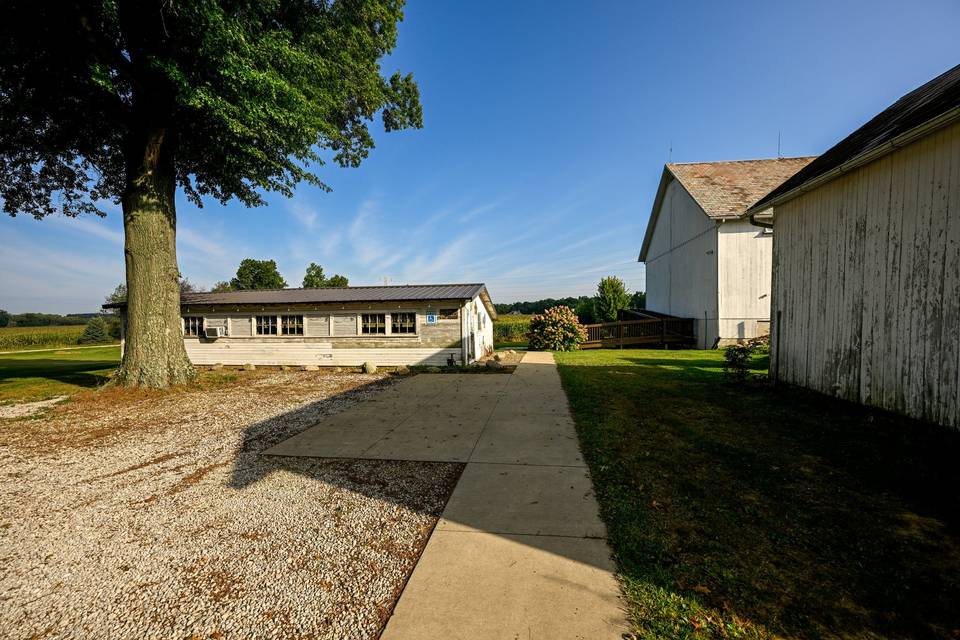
x=81, y=373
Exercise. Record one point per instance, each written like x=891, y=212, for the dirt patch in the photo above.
x=507, y=357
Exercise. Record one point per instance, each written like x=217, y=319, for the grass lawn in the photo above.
x=44, y=374
x=753, y=512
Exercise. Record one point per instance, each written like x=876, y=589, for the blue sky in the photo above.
x=546, y=127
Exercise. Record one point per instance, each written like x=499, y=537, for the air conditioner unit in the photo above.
x=214, y=332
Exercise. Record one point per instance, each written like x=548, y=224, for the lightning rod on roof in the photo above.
x=778, y=145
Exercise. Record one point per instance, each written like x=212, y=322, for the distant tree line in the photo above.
x=42, y=319
x=538, y=306
x=611, y=297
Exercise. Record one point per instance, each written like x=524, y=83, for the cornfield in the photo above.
x=511, y=330
x=13, y=338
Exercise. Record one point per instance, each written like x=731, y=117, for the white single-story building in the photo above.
x=866, y=261
x=439, y=324
x=703, y=259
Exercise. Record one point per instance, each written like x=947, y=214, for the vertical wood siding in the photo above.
x=345, y=324
x=317, y=325
x=744, y=255
x=867, y=283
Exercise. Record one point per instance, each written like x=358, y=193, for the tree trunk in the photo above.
x=154, y=355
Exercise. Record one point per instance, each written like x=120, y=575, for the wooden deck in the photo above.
x=655, y=331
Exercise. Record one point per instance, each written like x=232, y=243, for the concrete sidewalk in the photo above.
x=520, y=551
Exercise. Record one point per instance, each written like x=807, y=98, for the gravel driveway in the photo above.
x=151, y=515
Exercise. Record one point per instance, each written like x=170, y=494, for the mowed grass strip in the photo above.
x=45, y=374
x=753, y=512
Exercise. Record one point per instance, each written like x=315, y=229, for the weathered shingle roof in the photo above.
x=722, y=189
x=937, y=99
x=727, y=189
x=392, y=293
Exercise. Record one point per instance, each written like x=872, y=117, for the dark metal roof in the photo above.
x=936, y=98
x=392, y=293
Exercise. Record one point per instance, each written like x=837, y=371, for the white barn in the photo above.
x=436, y=324
x=703, y=259
x=866, y=262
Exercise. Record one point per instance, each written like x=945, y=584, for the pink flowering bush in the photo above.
x=556, y=329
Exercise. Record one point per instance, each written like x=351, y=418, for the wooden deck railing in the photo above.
x=659, y=331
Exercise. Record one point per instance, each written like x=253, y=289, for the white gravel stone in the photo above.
x=129, y=515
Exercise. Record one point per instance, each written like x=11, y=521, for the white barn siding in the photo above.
x=681, y=264
x=867, y=283
x=345, y=324
x=482, y=328
x=434, y=344
x=745, y=255
x=241, y=325
x=317, y=325
x=316, y=353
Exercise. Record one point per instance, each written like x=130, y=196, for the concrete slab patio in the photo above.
x=520, y=551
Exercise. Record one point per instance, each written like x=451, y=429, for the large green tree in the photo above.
x=220, y=287
x=257, y=274
x=337, y=280
x=315, y=279
x=611, y=297
x=126, y=101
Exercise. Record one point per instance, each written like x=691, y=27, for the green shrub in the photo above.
x=556, y=329
x=736, y=362
x=94, y=332
x=736, y=358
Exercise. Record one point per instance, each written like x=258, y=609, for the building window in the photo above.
x=192, y=326
x=403, y=322
x=266, y=325
x=449, y=314
x=373, y=323
x=291, y=325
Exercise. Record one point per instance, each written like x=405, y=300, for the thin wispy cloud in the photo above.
x=439, y=264
x=305, y=215
x=97, y=227
x=200, y=242
x=478, y=211
x=371, y=250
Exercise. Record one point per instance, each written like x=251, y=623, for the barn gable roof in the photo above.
x=388, y=293
x=723, y=190
x=931, y=106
